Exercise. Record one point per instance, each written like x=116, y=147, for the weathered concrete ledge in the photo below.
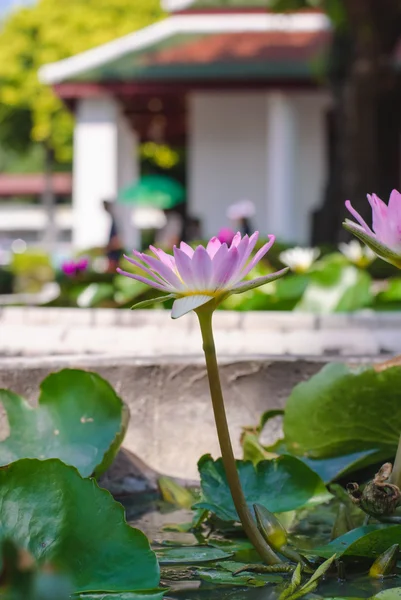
x=171, y=417
x=34, y=331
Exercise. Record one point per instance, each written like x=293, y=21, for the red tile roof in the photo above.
x=34, y=185
x=272, y=46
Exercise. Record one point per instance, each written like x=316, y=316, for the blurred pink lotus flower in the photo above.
x=385, y=238
x=195, y=277
x=74, y=267
x=225, y=235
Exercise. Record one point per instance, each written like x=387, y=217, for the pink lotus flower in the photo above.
x=195, y=277
x=74, y=267
x=385, y=239
x=225, y=235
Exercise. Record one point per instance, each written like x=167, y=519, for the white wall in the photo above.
x=104, y=161
x=312, y=164
x=231, y=156
x=227, y=155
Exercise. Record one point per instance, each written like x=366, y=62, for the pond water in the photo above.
x=314, y=528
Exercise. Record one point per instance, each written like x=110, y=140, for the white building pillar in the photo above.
x=281, y=172
x=128, y=171
x=104, y=161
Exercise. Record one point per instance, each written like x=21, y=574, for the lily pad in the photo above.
x=390, y=594
x=282, y=484
x=190, y=555
x=221, y=576
x=79, y=419
x=47, y=508
x=368, y=542
x=124, y=596
x=341, y=411
x=241, y=549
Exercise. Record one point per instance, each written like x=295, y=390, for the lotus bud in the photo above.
x=276, y=536
x=384, y=564
x=384, y=238
x=270, y=527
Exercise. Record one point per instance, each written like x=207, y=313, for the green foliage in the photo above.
x=47, y=32
x=61, y=518
x=331, y=285
x=31, y=270
x=390, y=297
x=328, y=469
x=336, y=286
x=6, y=281
x=296, y=590
x=341, y=410
x=79, y=419
x=281, y=485
x=368, y=541
x=175, y=494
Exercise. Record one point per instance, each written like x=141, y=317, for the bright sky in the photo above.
x=6, y=5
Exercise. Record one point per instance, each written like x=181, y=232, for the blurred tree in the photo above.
x=366, y=118
x=46, y=32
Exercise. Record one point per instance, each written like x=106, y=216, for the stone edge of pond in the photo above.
x=272, y=320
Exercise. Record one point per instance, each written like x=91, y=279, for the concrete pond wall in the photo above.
x=171, y=422
x=156, y=366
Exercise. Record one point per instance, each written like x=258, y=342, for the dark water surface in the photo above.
x=152, y=517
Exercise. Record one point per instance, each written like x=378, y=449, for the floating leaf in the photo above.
x=391, y=594
x=369, y=541
x=124, y=596
x=79, y=419
x=190, y=555
x=340, y=411
x=241, y=549
x=47, y=508
x=222, y=574
x=281, y=485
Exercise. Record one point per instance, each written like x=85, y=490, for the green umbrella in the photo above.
x=158, y=191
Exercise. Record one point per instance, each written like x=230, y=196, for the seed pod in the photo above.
x=384, y=564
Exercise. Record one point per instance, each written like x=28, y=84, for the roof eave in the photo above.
x=75, y=66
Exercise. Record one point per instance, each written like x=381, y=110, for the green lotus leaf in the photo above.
x=369, y=541
x=47, y=508
x=281, y=484
x=342, y=410
x=79, y=419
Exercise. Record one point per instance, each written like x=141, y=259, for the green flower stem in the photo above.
x=248, y=523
